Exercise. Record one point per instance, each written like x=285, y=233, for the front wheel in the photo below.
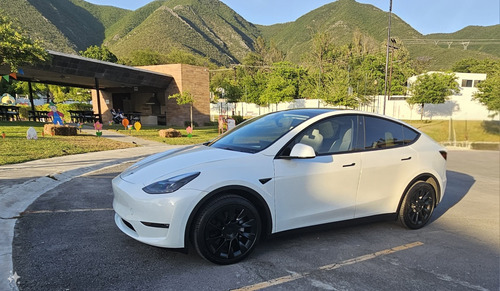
x=227, y=230
x=417, y=206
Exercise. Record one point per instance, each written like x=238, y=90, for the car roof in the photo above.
x=319, y=113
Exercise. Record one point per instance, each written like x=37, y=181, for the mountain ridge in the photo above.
x=211, y=29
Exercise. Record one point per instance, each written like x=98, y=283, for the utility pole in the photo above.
x=387, y=56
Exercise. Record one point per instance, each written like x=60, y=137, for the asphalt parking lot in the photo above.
x=67, y=240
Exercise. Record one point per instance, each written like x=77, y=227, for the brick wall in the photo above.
x=186, y=78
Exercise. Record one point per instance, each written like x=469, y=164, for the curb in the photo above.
x=484, y=146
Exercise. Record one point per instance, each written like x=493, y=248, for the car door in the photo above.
x=387, y=166
x=320, y=189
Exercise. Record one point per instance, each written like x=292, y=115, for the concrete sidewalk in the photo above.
x=21, y=184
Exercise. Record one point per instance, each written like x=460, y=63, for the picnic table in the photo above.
x=38, y=115
x=83, y=116
x=9, y=113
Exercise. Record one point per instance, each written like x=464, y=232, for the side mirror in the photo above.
x=302, y=151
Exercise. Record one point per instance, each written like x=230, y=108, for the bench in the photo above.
x=38, y=115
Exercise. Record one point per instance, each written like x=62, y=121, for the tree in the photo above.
x=318, y=60
x=432, y=88
x=339, y=93
x=321, y=51
x=486, y=66
x=184, y=98
x=268, y=54
x=282, y=83
x=62, y=93
x=489, y=92
x=16, y=48
x=101, y=53
x=253, y=86
x=224, y=85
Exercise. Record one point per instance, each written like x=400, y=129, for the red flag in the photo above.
x=13, y=75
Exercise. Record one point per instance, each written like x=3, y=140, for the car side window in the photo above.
x=410, y=135
x=333, y=135
x=381, y=133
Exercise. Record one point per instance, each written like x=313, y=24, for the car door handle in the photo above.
x=350, y=165
x=406, y=159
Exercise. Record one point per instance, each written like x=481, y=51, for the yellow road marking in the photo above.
x=334, y=266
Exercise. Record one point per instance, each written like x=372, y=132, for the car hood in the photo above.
x=175, y=162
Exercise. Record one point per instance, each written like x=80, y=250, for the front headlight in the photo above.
x=171, y=184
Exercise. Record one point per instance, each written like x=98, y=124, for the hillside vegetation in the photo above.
x=205, y=27
x=212, y=30
x=37, y=25
x=341, y=19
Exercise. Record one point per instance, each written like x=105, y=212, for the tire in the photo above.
x=418, y=205
x=227, y=230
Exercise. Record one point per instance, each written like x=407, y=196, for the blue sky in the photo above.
x=426, y=16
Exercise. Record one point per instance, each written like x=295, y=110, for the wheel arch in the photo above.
x=251, y=195
x=425, y=177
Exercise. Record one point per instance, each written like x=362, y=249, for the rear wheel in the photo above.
x=227, y=230
x=418, y=205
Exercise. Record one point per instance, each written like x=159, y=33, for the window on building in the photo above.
x=466, y=83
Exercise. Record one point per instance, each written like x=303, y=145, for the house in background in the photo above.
x=461, y=106
x=151, y=104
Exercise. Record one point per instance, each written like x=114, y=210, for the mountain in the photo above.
x=344, y=18
x=213, y=30
x=476, y=38
x=205, y=27
x=63, y=25
x=341, y=18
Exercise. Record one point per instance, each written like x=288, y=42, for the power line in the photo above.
x=436, y=41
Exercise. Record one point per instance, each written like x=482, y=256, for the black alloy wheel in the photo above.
x=418, y=205
x=227, y=230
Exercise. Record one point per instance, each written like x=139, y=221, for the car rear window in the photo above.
x=383, y=133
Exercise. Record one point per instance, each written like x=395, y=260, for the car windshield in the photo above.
x=258, y=133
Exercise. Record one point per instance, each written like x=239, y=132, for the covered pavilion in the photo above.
x=132, y=89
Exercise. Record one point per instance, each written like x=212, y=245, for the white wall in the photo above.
x=460, y=106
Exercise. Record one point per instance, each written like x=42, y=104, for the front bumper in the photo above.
x=158, y=220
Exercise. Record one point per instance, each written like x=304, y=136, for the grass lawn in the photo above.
x=16, y=148
x=473, y=131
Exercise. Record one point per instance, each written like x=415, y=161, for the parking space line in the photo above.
x=65, y=211
x=295, y=276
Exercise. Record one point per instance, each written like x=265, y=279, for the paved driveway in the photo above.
x=67, y=240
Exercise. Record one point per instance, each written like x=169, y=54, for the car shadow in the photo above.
x=458, y=186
